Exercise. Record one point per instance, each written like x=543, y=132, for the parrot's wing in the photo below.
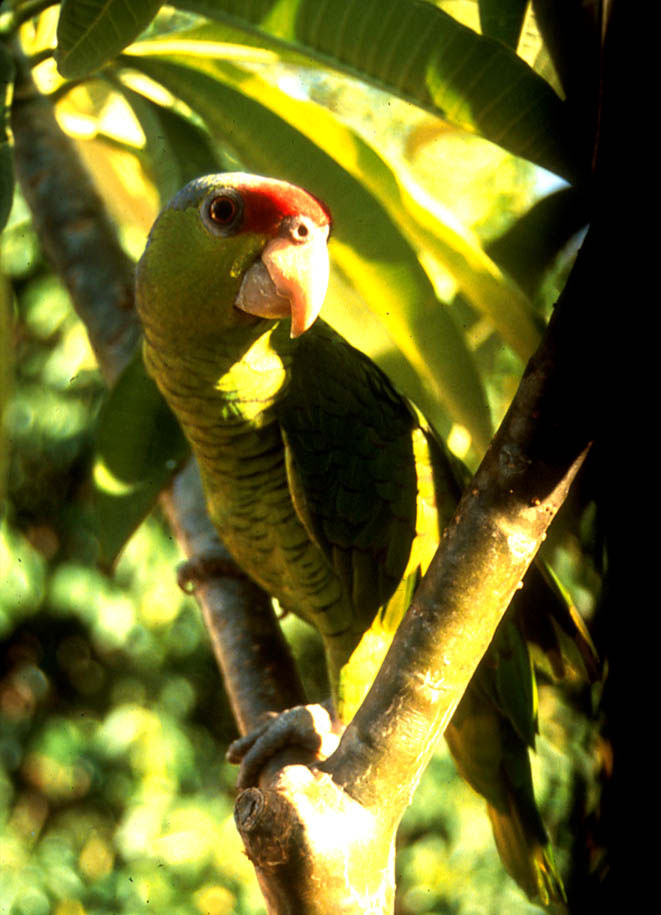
x=360, y=469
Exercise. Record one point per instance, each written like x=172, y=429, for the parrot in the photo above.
x=329, y=487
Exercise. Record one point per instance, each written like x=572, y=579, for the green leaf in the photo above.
x=92, y=32
x=423, y=55
x=572, y=33
x=503, y=20
x=6, y=156
x=368, y=245
x=139, y=446
x=530, y=245
x=177, y=149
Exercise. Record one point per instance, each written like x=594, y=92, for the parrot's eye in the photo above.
x=222, y=213
x=222, y=210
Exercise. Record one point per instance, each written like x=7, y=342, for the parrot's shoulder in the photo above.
x=325, y=358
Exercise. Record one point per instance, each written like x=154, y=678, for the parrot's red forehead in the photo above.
x=266, y=202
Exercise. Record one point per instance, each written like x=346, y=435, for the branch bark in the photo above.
x=561, y=406
x=484, y=554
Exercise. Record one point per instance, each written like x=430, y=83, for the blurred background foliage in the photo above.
x=114, y=793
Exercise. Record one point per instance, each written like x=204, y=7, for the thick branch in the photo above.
x=78, y=236
x=74, y=227
x=485, y=551
x=483, y=557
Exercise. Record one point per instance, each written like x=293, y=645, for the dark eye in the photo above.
x=223, y=210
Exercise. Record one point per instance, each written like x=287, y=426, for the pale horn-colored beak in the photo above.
x=290, y=278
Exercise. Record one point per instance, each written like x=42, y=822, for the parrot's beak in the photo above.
x=290, y=278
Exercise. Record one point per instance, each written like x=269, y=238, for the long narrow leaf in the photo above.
x=139, y=446
x=529, y=247
x=415, y=50
x=177, y=149
x=503, y=19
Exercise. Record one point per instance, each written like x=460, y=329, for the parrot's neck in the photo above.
x=216, y=385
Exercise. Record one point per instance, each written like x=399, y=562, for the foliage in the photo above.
x=441, y=147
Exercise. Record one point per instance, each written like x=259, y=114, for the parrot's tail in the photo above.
x=526, y=854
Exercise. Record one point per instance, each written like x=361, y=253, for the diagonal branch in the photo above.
x=484, y=554
x=288, y=826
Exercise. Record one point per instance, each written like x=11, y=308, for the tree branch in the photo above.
x=247, y=641
x=561, y=406
x=484, y=554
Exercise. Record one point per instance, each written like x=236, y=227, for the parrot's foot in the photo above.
x=199, y=569
x=308, y=728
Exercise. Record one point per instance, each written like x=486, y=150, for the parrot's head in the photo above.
x=231, y=249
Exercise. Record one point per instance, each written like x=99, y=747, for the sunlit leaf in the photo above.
x=420, y=53
x=572, y=34
x=6, y=159
x=368, y=246
x=91, y=32
x=139, y=446
x=530, y=245
x=178, y=150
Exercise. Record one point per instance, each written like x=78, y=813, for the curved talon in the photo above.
x=309, y=727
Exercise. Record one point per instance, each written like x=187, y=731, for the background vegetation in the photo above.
x=456, y=177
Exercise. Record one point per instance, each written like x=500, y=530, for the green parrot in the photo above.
x=329, y=487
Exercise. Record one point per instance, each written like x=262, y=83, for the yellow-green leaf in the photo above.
x=6, y=156
x=417, y=51
x=139, y=446
x=91, y=32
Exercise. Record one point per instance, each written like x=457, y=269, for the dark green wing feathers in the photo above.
x=349, y=442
